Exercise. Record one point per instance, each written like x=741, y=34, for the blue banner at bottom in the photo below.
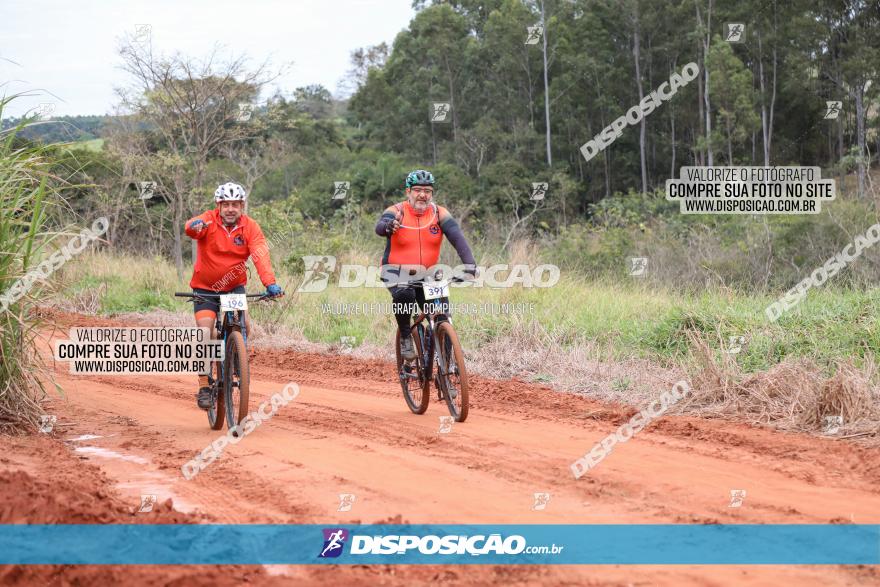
x=176, y=544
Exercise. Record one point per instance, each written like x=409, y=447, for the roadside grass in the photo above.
x=628, y=320
x=27, y=194
x=622, y=342
x=95, y=145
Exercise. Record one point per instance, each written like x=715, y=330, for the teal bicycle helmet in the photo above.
x=419, y=177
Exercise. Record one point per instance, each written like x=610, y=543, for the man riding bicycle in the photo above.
x=415, y=229
x=226, y=237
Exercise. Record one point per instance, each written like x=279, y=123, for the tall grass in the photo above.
x=614, y=341
x=26, y=194
x=618, y=320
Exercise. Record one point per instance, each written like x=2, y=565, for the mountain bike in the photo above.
x=229, y=379
x=437, y=345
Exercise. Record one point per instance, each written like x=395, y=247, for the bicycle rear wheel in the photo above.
x=217, y=411
x=236, y=375
x=454, y=380
x=412, y=376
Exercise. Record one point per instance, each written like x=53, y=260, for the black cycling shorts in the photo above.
x=213, y=304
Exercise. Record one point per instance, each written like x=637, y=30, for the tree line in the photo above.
x=524, y=85
x=760, y=98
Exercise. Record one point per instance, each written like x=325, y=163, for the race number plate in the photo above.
x=436, y=290
x=231, y=302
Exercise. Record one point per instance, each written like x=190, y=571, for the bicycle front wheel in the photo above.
x=453, y=378
x=413, y=380
x=217, y=411
x=236, y=375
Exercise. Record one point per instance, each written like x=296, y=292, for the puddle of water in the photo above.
x=84, y=437
x=110, y=454
x=154, y=483
x=134, y=480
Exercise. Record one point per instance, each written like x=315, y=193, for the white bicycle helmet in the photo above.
x=230, y=192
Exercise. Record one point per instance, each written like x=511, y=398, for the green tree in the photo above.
x=735, y=117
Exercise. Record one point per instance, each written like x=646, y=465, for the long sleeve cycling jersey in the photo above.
x=418, y=240
x=223, y=252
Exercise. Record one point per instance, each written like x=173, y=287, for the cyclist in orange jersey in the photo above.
x=226, y=238
x=415, y=229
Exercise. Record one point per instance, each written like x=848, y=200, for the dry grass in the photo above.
x=793, y=395
x=86, y=301
x=552, y=348
x=21, y=389
x=531, y=353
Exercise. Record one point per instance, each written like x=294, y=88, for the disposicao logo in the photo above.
x=334, y=541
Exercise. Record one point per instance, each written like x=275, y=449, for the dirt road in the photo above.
x=349, y=432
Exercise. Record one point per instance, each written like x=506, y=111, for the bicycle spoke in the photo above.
x=453, y=375
x=412, y=375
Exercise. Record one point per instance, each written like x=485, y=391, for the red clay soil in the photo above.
x=349, y=431
x=43, y=482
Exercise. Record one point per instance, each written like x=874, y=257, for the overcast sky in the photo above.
x=65, y=50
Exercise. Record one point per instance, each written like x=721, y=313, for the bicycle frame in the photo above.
x=228, y=381
x=228, y=320
x=231, y=319
x=431, y=342
x=437, y=342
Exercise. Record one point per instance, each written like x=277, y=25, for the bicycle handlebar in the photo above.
x=194, y=297
x=422, y=281
x=212, y=295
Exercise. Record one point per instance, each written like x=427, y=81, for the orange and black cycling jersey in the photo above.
x=418, y=240
x=223, y=252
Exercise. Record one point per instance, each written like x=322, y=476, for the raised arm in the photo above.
x=195, y=227
x=389, y=222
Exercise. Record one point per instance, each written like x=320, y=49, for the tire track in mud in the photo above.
x=350, y=431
